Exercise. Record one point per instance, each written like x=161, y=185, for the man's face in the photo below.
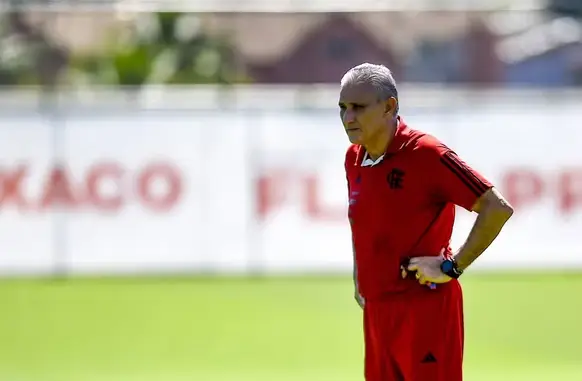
x=363, y=115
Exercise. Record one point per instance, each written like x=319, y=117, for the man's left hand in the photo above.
x=428, y=269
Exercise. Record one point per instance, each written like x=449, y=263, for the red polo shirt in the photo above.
x=404, y=205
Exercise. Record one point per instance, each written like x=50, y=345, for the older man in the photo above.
x=403, y=186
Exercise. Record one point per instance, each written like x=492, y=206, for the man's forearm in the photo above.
x=355, y=274
x=487, y=226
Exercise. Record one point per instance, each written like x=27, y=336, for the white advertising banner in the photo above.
x=236, y=191
x=128, y=193
x=533, y=158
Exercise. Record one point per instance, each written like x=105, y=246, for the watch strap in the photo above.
x=453, y=270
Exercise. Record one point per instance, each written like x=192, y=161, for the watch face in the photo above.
x=447, y=266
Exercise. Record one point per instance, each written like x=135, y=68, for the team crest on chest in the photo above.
x=395, y=178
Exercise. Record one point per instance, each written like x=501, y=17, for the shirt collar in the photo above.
x=368, y=162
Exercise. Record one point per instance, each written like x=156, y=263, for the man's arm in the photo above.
x=355, y=268
x=357, y=295
x=493, y=212
x=454, y=181
x=462, y=185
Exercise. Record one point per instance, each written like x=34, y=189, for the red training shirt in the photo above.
x=404, y=206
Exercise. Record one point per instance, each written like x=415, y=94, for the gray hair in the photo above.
x=379, y=76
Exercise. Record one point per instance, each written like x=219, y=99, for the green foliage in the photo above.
x=162, y=48
x=155, y=48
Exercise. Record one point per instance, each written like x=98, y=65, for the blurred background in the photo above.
x=172, y=191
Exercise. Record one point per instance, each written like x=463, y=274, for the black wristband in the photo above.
x=450, y=268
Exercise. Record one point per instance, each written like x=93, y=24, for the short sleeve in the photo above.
x=349, y=159
x=453, y=180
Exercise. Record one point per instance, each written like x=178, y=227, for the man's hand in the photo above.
x=428, y=269
x=359, y=299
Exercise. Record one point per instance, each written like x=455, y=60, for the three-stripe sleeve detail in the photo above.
x=451, y=161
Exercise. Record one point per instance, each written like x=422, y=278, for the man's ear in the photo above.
x=390, y=106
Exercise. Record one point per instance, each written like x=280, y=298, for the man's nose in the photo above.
x=349, y=117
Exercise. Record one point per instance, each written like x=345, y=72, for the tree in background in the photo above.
x=160, y=48
x=569, y=8
x=27, y=55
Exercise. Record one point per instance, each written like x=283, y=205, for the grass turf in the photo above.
x=519, y=327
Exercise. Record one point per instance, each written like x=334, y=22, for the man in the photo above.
x=403, y=186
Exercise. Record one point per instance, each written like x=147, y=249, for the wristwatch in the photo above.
x=450, y=268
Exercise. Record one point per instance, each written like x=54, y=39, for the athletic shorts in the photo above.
x=415, y=336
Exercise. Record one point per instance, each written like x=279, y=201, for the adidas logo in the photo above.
x=428, y=358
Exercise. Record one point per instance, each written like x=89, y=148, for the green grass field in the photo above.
x=519, y=327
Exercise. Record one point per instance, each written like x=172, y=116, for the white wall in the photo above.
x=253, y=180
